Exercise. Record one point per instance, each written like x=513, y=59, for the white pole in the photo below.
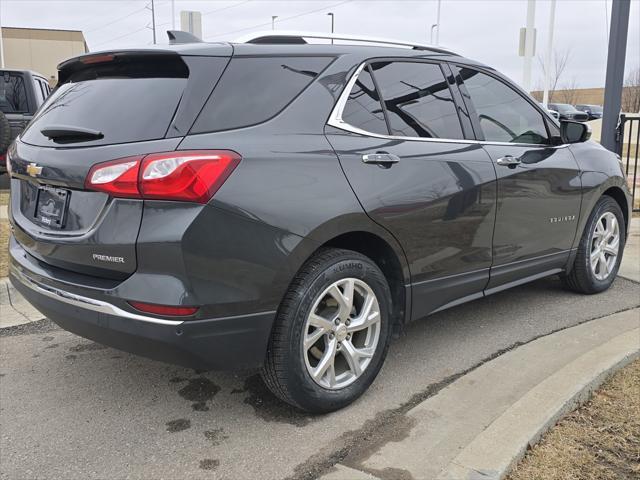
x=528, y=47
x=1, y=43
x=438, y=23
x=173, y=14
x=547, y=60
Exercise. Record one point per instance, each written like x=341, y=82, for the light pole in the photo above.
x=153, y=21
x=332, y=18
x=432, y=27
x=547, y=62
x=438, y=24
x=529, y=45
x=273, y=21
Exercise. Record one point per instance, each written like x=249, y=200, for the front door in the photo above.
x=409, y=164
x=539, y=187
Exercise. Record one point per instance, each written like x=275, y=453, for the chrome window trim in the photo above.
x=335, y=120
x=86, y=302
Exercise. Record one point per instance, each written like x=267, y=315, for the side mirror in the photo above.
x=574, y=132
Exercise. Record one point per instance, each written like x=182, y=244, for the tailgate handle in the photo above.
x=383, y=159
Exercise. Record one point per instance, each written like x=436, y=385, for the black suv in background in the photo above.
x=286, y=205
x=569, y=112
x=21, y=94
x=593, y=111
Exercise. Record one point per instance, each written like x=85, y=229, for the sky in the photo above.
x=485, y=30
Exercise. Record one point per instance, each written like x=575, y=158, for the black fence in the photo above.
x=628, y=144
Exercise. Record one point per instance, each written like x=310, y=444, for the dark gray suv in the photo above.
x=288, y=206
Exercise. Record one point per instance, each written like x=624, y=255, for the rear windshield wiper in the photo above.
x=67, y=134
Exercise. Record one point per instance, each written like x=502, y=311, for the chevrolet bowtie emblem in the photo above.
x=34, y=170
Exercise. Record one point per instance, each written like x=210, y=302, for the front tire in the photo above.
x=600, y=250
x=331, y=334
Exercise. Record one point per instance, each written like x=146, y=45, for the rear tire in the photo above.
x=600, y=250
x=331, y=334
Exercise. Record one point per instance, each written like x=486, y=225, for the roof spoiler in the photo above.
x=179, y=36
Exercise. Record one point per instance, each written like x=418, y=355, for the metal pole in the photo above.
x=438, y=23
x=173, y=14
x=528, y=45
x=332, y=18
x=547, y=62
x=432, y=27
x=615, y=72
x=273, y=21
x=153, y=21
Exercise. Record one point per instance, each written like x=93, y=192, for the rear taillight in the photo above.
x=191, y=176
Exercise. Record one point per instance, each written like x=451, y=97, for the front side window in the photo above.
x=417, y=100
x=363, y=109
x=13, y=94
x=505, y=116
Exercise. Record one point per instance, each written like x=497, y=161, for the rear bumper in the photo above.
x=237, y=342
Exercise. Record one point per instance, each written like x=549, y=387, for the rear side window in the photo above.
x=505, y=116
x=13, y=93
x=254, y=89
x=363, y=108
x=130, y=101
x=417, y=99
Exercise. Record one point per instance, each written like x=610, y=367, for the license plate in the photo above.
x=51, y=206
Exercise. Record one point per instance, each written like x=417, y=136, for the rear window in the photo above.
x=127, y=101
x=254, y=89
x=13, y=93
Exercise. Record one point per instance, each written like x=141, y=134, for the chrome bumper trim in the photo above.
x=85, y=302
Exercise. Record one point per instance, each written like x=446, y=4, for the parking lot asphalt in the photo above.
x=70, y=408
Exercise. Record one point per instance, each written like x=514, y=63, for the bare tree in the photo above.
x=559, y=65
x=631, y=92
x=569, y=92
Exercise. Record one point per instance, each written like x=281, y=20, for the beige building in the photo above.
x=40, y=50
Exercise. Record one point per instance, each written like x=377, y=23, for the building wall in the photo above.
x=40, y=50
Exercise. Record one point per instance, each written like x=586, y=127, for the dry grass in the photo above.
x=600, y=440
x=4, y=248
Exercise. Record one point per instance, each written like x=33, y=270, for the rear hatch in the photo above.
x=107, y=107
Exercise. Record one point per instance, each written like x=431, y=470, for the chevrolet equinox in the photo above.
x=289, y=205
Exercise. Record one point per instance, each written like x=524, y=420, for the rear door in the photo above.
x=107, y=108
x=539, y=187
x=403, y=148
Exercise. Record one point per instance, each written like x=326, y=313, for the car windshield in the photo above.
x=13, y=94
x=562, y=107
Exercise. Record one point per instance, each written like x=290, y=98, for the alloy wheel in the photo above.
x=605, y=245
x=341, y=333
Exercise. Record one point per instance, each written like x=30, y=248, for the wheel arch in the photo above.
x=619, y=196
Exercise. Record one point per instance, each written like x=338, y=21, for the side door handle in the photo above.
x=508, y=161
x=382, y=159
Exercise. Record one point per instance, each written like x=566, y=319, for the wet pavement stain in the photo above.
x=199, y=390
x=71, y=357
x=209, y=464
x=178, y=425
x=215, y=436
x=53, y=345
x=47, y=339
x=200, y=407
x=177, y=380
x=270, y=408
x=87, y=347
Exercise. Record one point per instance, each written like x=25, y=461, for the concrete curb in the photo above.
x=481, y=425
x=493, y=453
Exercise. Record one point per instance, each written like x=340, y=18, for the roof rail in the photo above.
x=294, y=36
